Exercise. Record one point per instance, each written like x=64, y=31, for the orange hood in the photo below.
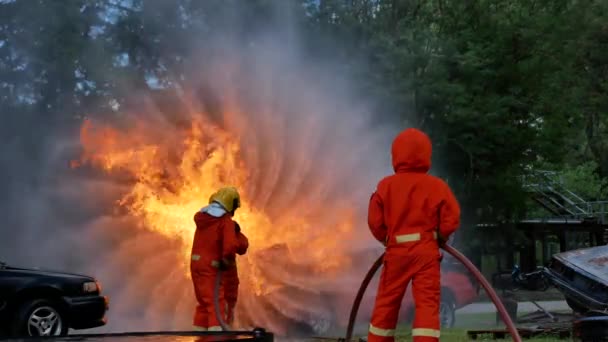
x=411, y=151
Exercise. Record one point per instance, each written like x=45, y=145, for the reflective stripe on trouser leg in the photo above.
x=425, y=332
x=396, y=274
x=215, y=328
x=426, y=288
x=381, y=332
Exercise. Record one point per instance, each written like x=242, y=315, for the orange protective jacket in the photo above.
x=214, y=240
x=411, y=201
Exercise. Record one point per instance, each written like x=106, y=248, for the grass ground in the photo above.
x=457, y=335
x=460, y=335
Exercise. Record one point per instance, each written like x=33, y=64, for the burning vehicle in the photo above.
x=582, y=276
x=330, y=302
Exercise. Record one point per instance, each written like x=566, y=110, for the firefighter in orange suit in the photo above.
x=215, y=245
x=230, y=277
x=408, y=213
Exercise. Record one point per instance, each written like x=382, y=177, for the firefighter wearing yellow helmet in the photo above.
x=228, y=198
x=213, y=223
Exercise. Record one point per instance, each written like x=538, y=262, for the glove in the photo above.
x=441, y=240
x=237, y=228
x=223, y=265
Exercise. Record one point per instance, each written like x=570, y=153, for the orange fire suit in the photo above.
x=215, y=243
x=406, y=213
x=230, y=277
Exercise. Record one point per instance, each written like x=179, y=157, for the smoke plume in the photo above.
x=309, y=141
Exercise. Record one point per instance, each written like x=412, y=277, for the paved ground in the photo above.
x=475, y=308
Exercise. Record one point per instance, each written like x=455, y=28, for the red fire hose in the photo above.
x=216, y=301
x=460, y=257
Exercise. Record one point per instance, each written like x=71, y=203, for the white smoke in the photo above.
x=307, y=135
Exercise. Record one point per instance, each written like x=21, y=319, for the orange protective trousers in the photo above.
x=400, y=267
x=407, y=213
x=231, y=291
x=204, y=288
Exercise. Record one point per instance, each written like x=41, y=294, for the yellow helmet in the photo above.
x=228, y=197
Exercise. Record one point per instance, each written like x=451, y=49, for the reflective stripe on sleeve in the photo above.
x=381, y=332
x=426, y=332
x=196, y=257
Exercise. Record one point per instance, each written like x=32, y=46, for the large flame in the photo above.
x=297, y=144
x=173, y=177
x=172, y=173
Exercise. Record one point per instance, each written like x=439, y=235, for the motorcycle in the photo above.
x=532, y=281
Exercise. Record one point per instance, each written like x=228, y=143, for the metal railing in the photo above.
x=549, y=191
x=596, y=211
x=599, y=209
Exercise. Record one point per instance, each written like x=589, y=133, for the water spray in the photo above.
x=463, y=260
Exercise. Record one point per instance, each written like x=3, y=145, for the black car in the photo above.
x=44, y=303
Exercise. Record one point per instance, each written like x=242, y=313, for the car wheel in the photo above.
x=39, y=317
x=447, y=313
